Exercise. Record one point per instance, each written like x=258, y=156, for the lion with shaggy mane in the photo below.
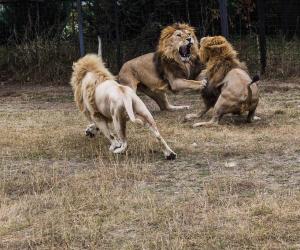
x=229, y=89
x=174, y=66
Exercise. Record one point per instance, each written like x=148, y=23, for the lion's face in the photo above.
x=178, y=42
x=215, y=47
x=183, y=41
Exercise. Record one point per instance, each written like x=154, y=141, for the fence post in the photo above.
x=187, y=11
x=262, y=35
x=224, y=17
x=80, y=28
x=117, y=29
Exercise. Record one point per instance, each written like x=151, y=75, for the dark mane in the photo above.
x=161, y=64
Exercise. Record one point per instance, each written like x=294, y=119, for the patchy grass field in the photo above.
x=235, y=186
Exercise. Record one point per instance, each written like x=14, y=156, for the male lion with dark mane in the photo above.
x=174, y=66
x=230, y=88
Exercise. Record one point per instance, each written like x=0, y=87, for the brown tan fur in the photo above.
x=166, y=49
x=229, y=89
x=219, y=58
x=108, y=104
x=169, y=68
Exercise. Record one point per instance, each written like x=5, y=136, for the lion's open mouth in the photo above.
x=185, y=51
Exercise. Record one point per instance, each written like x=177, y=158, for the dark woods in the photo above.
x=132, y=18
x=129, y=28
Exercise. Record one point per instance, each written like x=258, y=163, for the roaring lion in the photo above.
x=229, y=89
x=174, y=66
x=108, y=104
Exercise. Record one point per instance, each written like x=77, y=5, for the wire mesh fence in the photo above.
x=43, y=35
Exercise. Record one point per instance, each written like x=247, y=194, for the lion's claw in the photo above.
x=203, y=84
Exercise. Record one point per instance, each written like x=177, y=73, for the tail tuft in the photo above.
x=254, y=79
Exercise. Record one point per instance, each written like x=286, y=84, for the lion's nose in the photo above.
x=189, y=39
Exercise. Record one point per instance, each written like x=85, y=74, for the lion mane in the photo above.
x=219, y=58
x=89, y=63
x=167, y=56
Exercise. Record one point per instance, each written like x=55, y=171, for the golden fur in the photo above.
x=108, y=105
x=167, y=49
x=166, y=69
x=88, y=63
x=230, y=89
x=219, y=58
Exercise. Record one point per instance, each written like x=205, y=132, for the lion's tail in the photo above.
x=127, y=100
x=254, y=79
x=249, y=97
x=128, y=103
x=89, y=63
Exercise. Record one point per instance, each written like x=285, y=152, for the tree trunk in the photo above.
x=262, y=35
x=118, y=41
x=187, y=11
x=224, y=17
x=81, y=43
x=289, y=14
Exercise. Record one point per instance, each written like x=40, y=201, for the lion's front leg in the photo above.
x=177, y=107
x=171, y=107
x=161, y=99
x=183, y=84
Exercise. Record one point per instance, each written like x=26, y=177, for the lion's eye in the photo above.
x=179, y=35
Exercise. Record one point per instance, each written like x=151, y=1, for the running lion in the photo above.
x=107, y=104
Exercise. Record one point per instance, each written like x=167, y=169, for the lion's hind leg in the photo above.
x=119, y=123
x=146, y=119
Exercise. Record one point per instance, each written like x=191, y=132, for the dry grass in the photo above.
x=236, y=188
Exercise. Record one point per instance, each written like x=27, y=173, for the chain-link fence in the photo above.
x=40, y=38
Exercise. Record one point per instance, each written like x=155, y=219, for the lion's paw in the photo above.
x=121, y=149
x=114, y=145
x=171, y=156
x=203, y=84
x=91, y=130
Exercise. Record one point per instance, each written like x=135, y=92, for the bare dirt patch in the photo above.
x=235, y=186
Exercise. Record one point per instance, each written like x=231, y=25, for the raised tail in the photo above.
x=254, y=79
x=99, y=47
